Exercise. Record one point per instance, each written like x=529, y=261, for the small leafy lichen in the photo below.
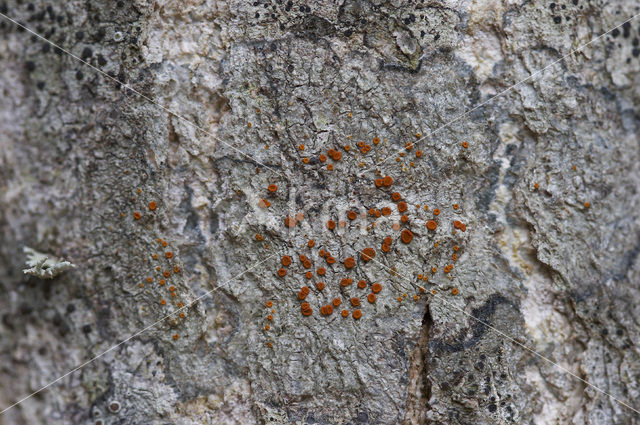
x=42, y=266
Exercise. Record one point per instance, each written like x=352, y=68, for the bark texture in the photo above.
x=547, y=189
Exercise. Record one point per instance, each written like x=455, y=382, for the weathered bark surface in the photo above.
x=79, y=155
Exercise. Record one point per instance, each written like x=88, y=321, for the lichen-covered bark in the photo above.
x=80, y=154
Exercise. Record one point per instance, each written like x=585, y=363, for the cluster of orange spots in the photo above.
x=386, y=244
x=334, y=154
x=306, y=310
x=290, y=222
x=326, y=310
x=448, y=268
x=304, y=291
x=459, y=225
x=386, y=181
x=346, y=281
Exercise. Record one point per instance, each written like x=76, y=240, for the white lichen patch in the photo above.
x=43, y=266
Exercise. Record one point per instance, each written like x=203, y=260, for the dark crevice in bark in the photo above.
x=419, y=388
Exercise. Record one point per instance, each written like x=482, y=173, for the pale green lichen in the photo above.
x=43, y=266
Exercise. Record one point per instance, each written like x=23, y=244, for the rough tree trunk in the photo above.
x=79, y=154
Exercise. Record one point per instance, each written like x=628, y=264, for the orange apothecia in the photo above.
x=357, y=314
x=321, y=271
x=459, y=225
x=330, y=260
x=311, y=243
x=290, y=222
x=269, y=317
x=162, y=282
x=322, y=158
x=371, y=298
x=175, y=336
x=331, y=224
x=379, y=182
x=326, y=310
x=320, y=286
x=282, y=272
x=386, y=211
x=172, y=288
x=166, y=273
x=404, y=218
x=337, y=302
x=352, y=215
x=465, y=144
x=456, y=206
x=306, y=310
x=304, y=291
x=355, y=301
x=269, y=304
x=436, y=211
x=267, y=327
x=349, y=262
x=345, y=313
x=387, y=181
x=418, y=153
x=263, y=203
x=454, y=291
x=432, y=225
x=402, y=206
x=346, y=282
x=272, y=188
x=286, y=261
x=536, y=185
x=368, y=254
x=395, y=196
x=153, y=205
x=376, y=288
x=137, y=215
x=406, y=236
x=168, y=254
x=587, y=204
x=362, y=284
x=308, y=275
x=163, y=302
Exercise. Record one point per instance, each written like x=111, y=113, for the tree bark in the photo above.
x=153, y=181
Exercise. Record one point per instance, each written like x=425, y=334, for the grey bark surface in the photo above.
x=79, y=154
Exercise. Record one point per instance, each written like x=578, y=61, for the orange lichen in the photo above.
x=376, y=288
x=345, y=313
x=168, y=254
x=434, y=270
x=379, y=182
x=308, y=275
x=326, y=310
x=387, y=181
x=331, y=224
x=346, y=282
x=269, y=304
x=371, y=298
x=376, y=140
x=456, y=206
x=454, y=291
x=418, y=153
x=290, y=222
x=456, y=248
x=587, y=204
x=432, y=225
x=386, y=211
x=137, y=215
x=153, y=205
x=164, y=244
x=404, y=218
x=465, y=144
x=336, y=302
x=406, y=236
x=272, y=188
x=536, y=185
x=459, y=225
x=163, y=302
x=304, y=291
x=436, y=211
x=320, y=286
x=330, y=260
x=286, y=261
x=395, y=196
x=349, y=262
x=305, y=308
x=321, y=271
x=402, y=206
x=269, y=317
x=322, y=158
x=454, y=257
x=357, y=314
x=175, y=336
x=352, y=215
x=162, y=282
x=367, y=254
x=282, y=272
x=311, y=243
x=362, y=284
x=172, y=288
x=385, y=248
x=355, y=301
